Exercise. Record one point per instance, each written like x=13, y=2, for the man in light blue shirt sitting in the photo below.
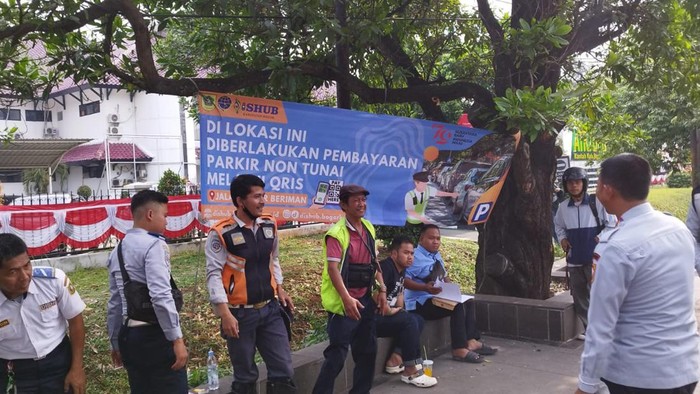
x=420, y=282
x=642, y=333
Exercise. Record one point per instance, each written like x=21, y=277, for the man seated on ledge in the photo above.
x=404, y=327
x=428, y=267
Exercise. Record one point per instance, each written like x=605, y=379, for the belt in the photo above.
x=137, y=323
x=251, y=306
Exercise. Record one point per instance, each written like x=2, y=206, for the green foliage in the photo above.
x=171, y=184
x=36, y=180
x=387, y=233
x=533, y=41
x=84, y=192
x=7, y=134
x=533, y=111
x=679, y=179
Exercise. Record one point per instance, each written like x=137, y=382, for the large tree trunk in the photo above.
x=695, y=155
x=515, y=245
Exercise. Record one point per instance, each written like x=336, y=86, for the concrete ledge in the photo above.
x=307, y=362
x=551, y=320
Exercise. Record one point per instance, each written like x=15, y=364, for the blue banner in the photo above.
x=305, y=153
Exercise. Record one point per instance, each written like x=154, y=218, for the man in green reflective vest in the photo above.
x=349, y=276
x=416, y=200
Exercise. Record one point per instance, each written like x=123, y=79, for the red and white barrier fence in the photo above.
x=87, y=224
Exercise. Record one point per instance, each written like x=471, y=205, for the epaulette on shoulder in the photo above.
x=44, y=272
x=159, y=236
x=223, y=225
x=266, y=219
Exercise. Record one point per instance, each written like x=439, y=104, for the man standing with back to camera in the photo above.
x=146, y=335
x=244, y=279
x=642, y=336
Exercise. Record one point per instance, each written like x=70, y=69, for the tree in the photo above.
x=404, y=56
x=654, y=111
x=36, y=180
x=171, y=184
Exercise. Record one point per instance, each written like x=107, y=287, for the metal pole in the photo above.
x=342, y=54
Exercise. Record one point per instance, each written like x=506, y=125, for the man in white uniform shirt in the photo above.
x=642, y=335
x=36, y=306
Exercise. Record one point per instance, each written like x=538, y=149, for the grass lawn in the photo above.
x=673, y=201
x=301, y=260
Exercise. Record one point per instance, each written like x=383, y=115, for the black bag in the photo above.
x=436, y=272
x=138, y=300
x=360, y=275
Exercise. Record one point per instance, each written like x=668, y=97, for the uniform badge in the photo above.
x=216, y=245
x=237, y=239
x=4, y=323
x=268, y=233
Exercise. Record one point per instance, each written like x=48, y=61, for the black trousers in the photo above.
x=45, y=376
x=147, y=357
x=462, y=320
x=620, y=389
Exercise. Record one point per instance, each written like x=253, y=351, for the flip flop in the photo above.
x=486, y=350
x=471, y=357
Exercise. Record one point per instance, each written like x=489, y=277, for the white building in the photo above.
x=147, y=134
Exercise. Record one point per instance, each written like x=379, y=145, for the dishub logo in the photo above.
x=442, y=135
x=241, y=106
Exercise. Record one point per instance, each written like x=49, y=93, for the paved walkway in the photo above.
x=518, y=367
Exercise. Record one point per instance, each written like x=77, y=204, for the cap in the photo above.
x=421, y=176
x=350, y=190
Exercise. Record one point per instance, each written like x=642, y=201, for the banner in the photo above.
x=416, y=171
x=583, y=148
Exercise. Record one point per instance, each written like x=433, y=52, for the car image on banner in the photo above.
x=490, y=178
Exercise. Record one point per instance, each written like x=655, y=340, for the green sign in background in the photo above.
x=583, y=148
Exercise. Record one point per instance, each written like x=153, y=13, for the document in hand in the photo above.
x=450, y=295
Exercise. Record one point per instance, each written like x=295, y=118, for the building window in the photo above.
x=89, y=108
x=11, y=176
x=37, y=115
x=93, y=171
x=10, y=114
x=59, y=115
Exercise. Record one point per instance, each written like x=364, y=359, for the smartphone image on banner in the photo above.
x=321, y=193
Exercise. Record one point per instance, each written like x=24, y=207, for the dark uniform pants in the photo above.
x=45, y=376
x=263, y=329
x=147, y=357
x=361, y=337
x=462, y=320
x=620, y=389
x=580, y=283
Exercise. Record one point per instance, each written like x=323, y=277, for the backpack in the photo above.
x=594, y=209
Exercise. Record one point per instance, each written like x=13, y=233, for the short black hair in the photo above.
x=11, y=246
x=398, y=241
x=629, y=174
x=242, y=185
x=145, y=197
x=424, y=228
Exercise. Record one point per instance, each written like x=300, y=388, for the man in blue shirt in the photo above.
x=420, y=282
x=642, y=335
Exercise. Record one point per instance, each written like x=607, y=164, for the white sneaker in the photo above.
x=393, y=370
x=419, y=380
x=581, y=337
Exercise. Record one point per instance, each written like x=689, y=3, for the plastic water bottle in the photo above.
x=212, y=371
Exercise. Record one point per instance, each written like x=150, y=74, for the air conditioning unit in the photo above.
x=142, y=173
x=50, y=132
x=113, y=130
x=113, y=118
x=117, y=182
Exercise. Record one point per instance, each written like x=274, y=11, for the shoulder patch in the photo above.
x=44, y=272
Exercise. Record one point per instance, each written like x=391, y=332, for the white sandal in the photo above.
x=419, y=380
x=394, y=370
